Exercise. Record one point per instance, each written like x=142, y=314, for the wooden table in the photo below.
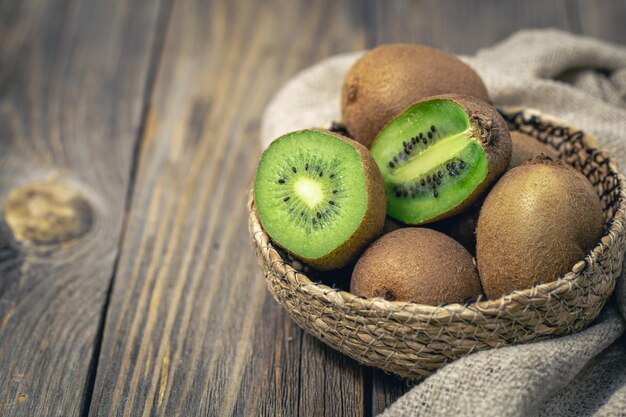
x=128, y=139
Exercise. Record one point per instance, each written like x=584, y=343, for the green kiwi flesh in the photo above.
x=435, y=160
x=319, y=196
x=389, y=78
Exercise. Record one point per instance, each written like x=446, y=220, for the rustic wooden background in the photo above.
x=128, y=138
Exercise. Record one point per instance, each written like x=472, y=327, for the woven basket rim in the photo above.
x=336, y=296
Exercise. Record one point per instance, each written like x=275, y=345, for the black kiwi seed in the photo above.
x=319, y=216
x=424, y=140
x=331, y=202
x=428, y=178
x=448, y=167
x=321, y=173
x=281, y=181
x=314, y=221
x=422, y=182
x=286, y=199
x=391, y=164
x=430, y=135
x=332, y=175
x=407, y=151
x=413, y=140
x=435, y=193
x=432, y=128
x=306, y=167
x=398, y=193
x=440, y=174
x=294, y=170
x=462, y=164
x=334, y=191
x=302, y=213
x=395, y=159
x=454, y=165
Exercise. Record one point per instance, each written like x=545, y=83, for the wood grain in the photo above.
x=147, y=114
x=191, y=329
x=72, y=78
x=464, y=27
x=603, y=19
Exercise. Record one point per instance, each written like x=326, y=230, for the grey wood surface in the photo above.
x=128, y=140
x=72, y=80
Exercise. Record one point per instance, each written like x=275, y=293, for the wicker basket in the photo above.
x=414, y=340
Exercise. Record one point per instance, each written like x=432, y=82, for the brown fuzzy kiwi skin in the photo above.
x=490, y=129
x=526, y=147
x=389, y=78
x=535, y=224
x=419, y=265
x=372, y=222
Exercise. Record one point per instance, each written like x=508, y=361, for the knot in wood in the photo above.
x=47, y=213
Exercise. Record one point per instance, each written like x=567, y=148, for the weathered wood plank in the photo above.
x=191, y=329
x=464, y=27
x=72, y=78
x=603, y=19
x=385, y=390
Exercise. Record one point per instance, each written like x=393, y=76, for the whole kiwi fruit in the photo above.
x=416, y=264
x=387, y=79
x=526, y=147
x=320, y=196
x=538, y=221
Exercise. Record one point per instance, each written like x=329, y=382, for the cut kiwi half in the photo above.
x=389, y=78
x=320, y=196
x=439, y=156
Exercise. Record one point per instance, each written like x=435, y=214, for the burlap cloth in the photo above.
x=580, y=80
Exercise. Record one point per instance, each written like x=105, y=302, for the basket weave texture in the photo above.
x=413, y=340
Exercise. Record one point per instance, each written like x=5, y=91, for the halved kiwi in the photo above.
x=319, y=196
x=389, y=78
x=439, y=155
